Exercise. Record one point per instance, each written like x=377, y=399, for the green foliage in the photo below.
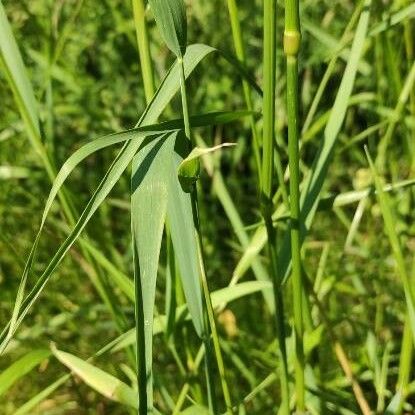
x=106, y=173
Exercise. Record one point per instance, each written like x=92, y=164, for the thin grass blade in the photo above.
x=104, y=383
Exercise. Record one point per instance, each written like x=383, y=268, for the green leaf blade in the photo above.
x=21, y=367
x=149, y=197
x=183, y=234
x=104, y=383
x=12, y=63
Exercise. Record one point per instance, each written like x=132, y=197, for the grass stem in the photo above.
x=267, y=174
x=205, y=288
x=240, y=54
x=143, y=48
x=292, y=40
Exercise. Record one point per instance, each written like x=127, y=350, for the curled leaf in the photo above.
x=189, y=174
x=189, y=169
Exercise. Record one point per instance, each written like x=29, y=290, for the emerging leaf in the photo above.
x=188, y=174
x=189, y=168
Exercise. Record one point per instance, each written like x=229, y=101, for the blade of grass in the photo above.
x=20, y=367
x=330, y=69
x=12, y=63
x=390, y=230
x=240, y=54
x=397, y=114
x=144, y=48
x=407, y=344
x=149, y=196
x=104, y=383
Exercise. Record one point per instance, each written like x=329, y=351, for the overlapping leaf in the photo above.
x=149, y=195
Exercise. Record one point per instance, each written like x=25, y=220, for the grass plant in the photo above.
x=207, y=207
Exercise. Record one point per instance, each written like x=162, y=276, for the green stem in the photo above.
x=292, y=40
x=205, y=288
x=267, y=174
x=143, y=48
x=211, y=317
x=240, y=54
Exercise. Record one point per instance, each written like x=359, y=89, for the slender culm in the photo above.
x=292, y=40
x=210, y=321
x=240, y=54
x=267, y=173
x=143, y=48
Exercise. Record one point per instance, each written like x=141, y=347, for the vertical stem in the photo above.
x=267, y=186
x=211, y=320
x=208, y=304
x=240, y=54
x=292, y=40
x=143, y=48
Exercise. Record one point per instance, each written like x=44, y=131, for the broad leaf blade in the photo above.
x=117, y=168
x=149, y=195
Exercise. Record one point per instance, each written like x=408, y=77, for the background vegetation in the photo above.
x=83, y=64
